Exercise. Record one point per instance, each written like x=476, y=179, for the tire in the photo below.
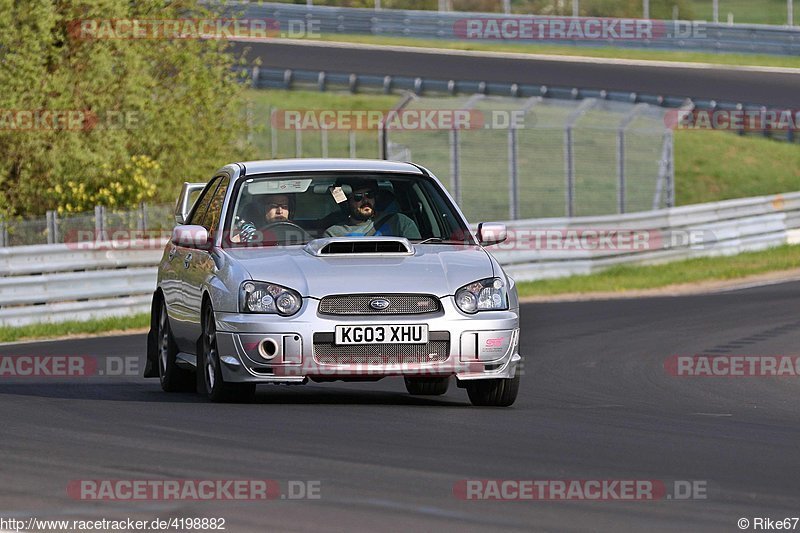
x=427, y=386
x=493, y=392
x=173, y=378
x=209, y=364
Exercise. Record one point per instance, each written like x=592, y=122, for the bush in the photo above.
x=170, y=104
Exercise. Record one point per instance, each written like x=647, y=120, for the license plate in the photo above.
x=385, y=334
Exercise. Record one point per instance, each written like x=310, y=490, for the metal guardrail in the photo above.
x=720, y=228
x=738, y=38
x=80, y=281
x=119, y=281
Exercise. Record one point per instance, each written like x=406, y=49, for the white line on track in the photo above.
x=528, y=57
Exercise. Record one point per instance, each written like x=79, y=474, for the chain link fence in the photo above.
x=101, y=224
x=535, y=157
x=773, y=12
x=502, y=158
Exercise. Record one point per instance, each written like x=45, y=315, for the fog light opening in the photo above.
x=268, y=349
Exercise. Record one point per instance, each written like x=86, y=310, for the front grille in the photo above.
x=435, y=351
x=358, y=304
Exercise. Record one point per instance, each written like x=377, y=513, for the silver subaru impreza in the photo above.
x=287, y=271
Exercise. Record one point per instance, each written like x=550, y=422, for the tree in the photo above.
x=77, y=109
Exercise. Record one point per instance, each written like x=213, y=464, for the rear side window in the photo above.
x=202, y=204
x=210, y=220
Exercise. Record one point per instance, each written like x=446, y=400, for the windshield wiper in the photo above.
x=439, y=240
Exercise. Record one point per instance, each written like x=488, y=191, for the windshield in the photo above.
x=291, y=210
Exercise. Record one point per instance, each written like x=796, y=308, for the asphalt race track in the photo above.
x=595, y=403
x=777, y=89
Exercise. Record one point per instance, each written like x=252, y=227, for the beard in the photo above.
x=359, y=215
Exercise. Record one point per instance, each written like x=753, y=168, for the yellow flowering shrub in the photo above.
x=123, y=187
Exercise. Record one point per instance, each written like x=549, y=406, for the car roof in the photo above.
x=328, y=165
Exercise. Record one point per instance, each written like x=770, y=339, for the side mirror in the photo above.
x=186, y=199
x=190, y=236
x=491, y=233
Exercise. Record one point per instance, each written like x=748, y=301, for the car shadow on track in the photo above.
x=295, y=395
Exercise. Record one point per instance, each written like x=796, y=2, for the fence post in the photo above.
x=52, y=227
x=645, y=9
x=273, y=133
x=141, y=222
x=50, y=231
x=790, y=12
x=324, y=141
x=507, y=7
x=569, y=153
x=99, y=222
x=715, y=8
x=623, y=125
x=513, y=173
x=455, y=166
x=671, y=175
x=666, y=174
x=576, y=8
x=3, y=234
x=298, y=142
x=249, y=120
x=352, y=140
x=382, y=142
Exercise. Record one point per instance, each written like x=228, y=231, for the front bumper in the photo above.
x=275, y=349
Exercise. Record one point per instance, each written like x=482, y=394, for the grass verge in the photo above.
x=761, y=60
x=63, y=329
x=625, y=278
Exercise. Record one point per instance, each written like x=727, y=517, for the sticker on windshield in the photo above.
x=338, y=195
x=279, y=186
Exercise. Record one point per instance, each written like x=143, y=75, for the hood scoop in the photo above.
x=348, y=246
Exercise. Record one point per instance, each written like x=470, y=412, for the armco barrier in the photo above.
x=58, y=282
x=54, y=283
x=737, y=38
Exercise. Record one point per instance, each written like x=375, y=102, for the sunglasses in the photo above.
x=358, y=196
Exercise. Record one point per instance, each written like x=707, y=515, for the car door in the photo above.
x=200, y=265
x=179, y=258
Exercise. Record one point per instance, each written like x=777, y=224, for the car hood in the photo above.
x=433, y=269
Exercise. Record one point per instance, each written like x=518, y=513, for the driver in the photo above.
x=365, y=221
x=277, y=208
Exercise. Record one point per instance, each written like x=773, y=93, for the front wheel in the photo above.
x=493, y=392
x=216, y=388
x=427, y=386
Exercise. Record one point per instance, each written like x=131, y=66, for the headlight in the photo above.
x=485, y=295
x=260, y=297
